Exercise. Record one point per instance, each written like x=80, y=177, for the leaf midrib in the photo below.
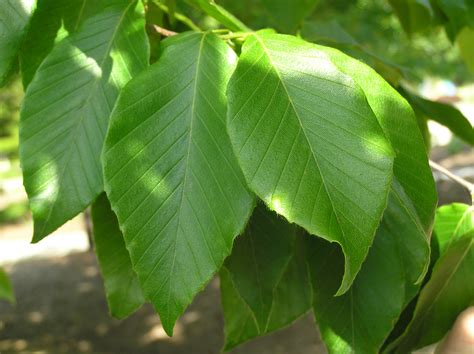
x=304, y=134
x=186, y=161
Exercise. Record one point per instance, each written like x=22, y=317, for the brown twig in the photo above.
x=466, y=184
x=163, y=31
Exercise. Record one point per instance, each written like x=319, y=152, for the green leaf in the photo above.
x=465, y=40
x=264, y=283
x=360, y=320
x=220, y=14
x=49, y=17
x=309, y=144
x=124, y=294
x=6, y=289
x=170, y=172
x=327, y=32
x=288, y=16
x=399, y=258
x=14, y=19
x=459, y=12
x=449, y=291
x=399, y=124
x=452, y=221
x=331, y=33
x=66, y=110
x=444, y=114
x=414, y=15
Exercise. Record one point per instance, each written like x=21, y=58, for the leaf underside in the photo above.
x=66, y=110
x=124, y=295
x=449, y=291
x=14, y=19
x=170, y=172
x=264, y=283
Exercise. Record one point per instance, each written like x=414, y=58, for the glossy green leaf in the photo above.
x=66, y=109
x=360, y=320
x=220, y=14
x=264, y=284
x=444, y=114
x=414, y=15
x=452, y=221
x=449, y=291
x=286, y=15
x=170, y=172
x=51, y=22
x=6, y=288
x=465, y=40
x=309, y=144
x=14, y=20
x=124, y=295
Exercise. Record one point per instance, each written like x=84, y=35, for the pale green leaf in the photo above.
x=170, y=172
x=66, y=109
x=309, y=144
x=264, y=285
x=449, y=291
x=6, y=288
x=287, y=16
x=452, y=221
x=14, y=20
x=360, y=320
x=124, y=295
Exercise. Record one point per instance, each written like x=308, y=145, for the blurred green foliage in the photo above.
x=374, y=25
x=10, y=99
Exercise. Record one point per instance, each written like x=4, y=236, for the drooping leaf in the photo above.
x=170, y=172
x=309, y=144
x=465, y=40
x=444, y=114
x=124, y=295
x=399, y=124
x=66, y=110
x=51, y=22
x=449, y=291
x=452, y=221
x=360, y=320
x=220, y=14
x=414, y=15
x=14, y=20
x=286, y=15
x=264, y=283
x=6, y=288
x=402, y=238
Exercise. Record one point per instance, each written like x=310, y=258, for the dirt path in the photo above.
x=61, y=308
